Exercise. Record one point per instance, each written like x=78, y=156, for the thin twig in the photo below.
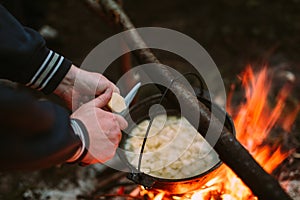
x=112, y=178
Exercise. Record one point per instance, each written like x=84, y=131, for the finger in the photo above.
x=102, y=99
x=111, y=85
x=121, y=121
x=116, y=89
x=105, y=84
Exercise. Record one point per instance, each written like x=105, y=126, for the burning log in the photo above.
x=231, y=152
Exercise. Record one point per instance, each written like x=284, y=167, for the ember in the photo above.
x=254, y=119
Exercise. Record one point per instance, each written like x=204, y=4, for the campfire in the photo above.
x=254, y=121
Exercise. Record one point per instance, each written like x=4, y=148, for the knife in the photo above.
x=129, y=97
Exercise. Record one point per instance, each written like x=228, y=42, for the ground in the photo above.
x=235, y=33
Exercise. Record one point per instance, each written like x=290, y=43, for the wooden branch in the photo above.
x=111, y=179
x=231, y=152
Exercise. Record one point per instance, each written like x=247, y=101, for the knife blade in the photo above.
x=131, y=94
x=129, y=97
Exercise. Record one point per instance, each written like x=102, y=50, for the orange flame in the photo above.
x=255, y=118
x=253, y=121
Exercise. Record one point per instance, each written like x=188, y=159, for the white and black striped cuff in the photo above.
x=47, y=70
x=78, y=131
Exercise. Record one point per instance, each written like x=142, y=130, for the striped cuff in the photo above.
x=52, y=66
x=79, y=130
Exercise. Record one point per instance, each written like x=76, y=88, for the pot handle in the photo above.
x=142, y=179
x=203, y=96
x=134, y=175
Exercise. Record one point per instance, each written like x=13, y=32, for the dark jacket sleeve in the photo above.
x=24, y=57
x=34, y=134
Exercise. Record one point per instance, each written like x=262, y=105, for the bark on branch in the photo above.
x=231, y=152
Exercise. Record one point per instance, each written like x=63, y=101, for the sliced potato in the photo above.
x=174, y=148
x=116, y=103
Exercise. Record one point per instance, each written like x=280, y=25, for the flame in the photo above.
x=254, y=119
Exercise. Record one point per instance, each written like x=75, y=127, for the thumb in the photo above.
x=103, y=99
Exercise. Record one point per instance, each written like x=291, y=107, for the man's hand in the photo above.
x=104, y=129
x=80, y=86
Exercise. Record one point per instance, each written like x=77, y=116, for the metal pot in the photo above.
x=138, y=113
